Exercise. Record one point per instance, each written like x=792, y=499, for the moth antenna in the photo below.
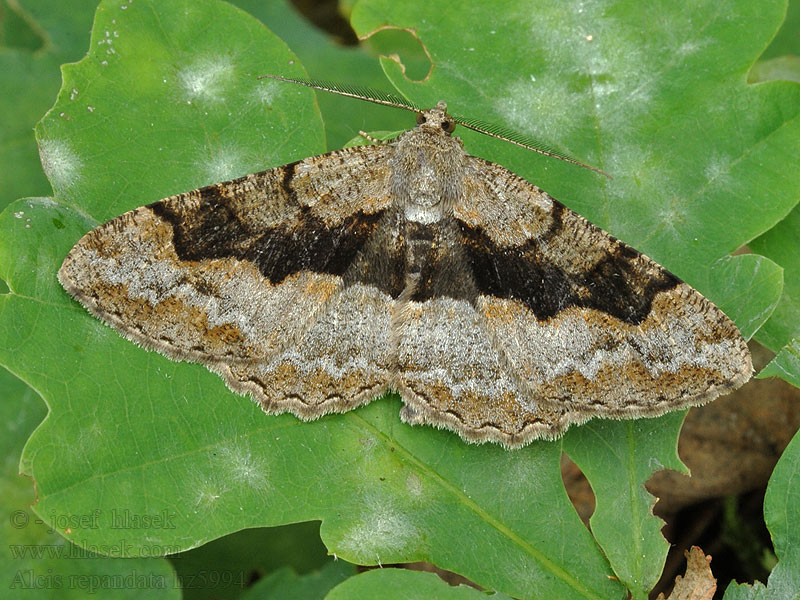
x=523, y=141
x=386, y=99
x=352, y=91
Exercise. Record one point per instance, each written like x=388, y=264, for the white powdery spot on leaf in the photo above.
x=691, y=46
x=61, y=164
x=208, y=491
x=224, y=163
x=378, y=530
x=640, y=97
x=603, y=89
x=414, y=485
x=267, y=92
x=244, y=466
x=544, y=108
x=42, y=202
x=673, y=214
x=208, y=496
x=717, y=169
x=624, y=159
x=206, y=78
x=264, y=95
x=636, y=168
x=90, y=438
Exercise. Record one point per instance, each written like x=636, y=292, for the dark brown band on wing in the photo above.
x=304, y=243
x=381, y=262
x=615, y=285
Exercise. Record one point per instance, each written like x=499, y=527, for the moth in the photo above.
x=410, y=266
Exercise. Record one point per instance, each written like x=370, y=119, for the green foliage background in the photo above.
x=167, y=100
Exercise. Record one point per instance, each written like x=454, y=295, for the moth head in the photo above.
x=436, y=119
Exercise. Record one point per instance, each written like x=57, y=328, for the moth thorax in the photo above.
x=423, y=214
x=427, y=190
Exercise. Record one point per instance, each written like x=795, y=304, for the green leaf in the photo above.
x=782, y=331
x=786, y=364
x=786, y=41
x=782, y=245
x=618, y=457
x=176, y=105
x=754, y=285
x=325, y=58
x=285, y=584
x=37, y=561
x=402, y=584
x=199, y=109
x=56, y=32
x=782, y=514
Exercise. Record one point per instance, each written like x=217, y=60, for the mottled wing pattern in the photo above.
x=259, y=278
x=494, y=310
x=566, y=323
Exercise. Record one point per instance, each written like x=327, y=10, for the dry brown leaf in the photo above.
x=698, y=583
